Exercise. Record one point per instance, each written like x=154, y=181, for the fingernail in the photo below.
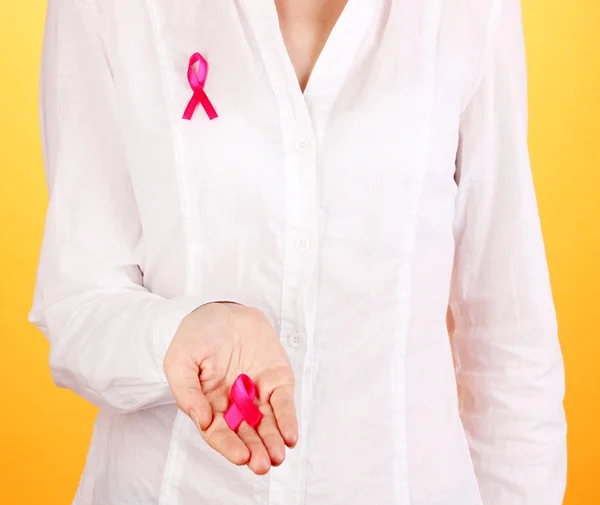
x=195, y=418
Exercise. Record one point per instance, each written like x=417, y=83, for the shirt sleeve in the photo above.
x=108, y=334
x=509, y=364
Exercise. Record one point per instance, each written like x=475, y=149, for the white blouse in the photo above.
x=353, y=215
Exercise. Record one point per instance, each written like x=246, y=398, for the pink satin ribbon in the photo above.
x=242, y=406
x=197, y=78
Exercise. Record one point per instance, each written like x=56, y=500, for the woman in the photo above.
x=298, y=191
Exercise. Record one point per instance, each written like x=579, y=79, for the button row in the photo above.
x=294, y=339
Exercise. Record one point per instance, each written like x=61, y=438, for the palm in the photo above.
x=257, y=353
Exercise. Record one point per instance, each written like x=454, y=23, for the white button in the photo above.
x=301, y=144
x=303, y=244
x=295, y=340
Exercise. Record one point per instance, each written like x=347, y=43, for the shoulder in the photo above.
x=486, y=17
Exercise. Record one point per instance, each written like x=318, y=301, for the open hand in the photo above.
x=212, y=347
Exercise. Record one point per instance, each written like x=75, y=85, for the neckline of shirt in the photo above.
x=336, y=58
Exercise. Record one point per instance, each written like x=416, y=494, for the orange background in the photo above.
x=44, y=431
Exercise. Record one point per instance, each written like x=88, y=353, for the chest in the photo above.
x=377, y=121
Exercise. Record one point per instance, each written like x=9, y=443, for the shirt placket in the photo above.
x=298, y=302
x=302, y=123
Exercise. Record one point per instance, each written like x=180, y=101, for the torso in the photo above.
x=331, y=211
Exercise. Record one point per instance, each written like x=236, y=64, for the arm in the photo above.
x=508, y=358
x=108, y=334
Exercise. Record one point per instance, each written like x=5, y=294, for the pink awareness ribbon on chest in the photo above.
x=242, y=407
x=197, y=79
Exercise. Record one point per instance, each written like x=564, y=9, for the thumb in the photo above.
x=185, y=385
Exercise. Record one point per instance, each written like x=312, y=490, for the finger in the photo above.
x=225, y=441
x=284, y=409
x=185, y=384
x=259, y=463
x=270, y=435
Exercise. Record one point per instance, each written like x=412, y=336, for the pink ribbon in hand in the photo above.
x=197, y=78
x=242, y=406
